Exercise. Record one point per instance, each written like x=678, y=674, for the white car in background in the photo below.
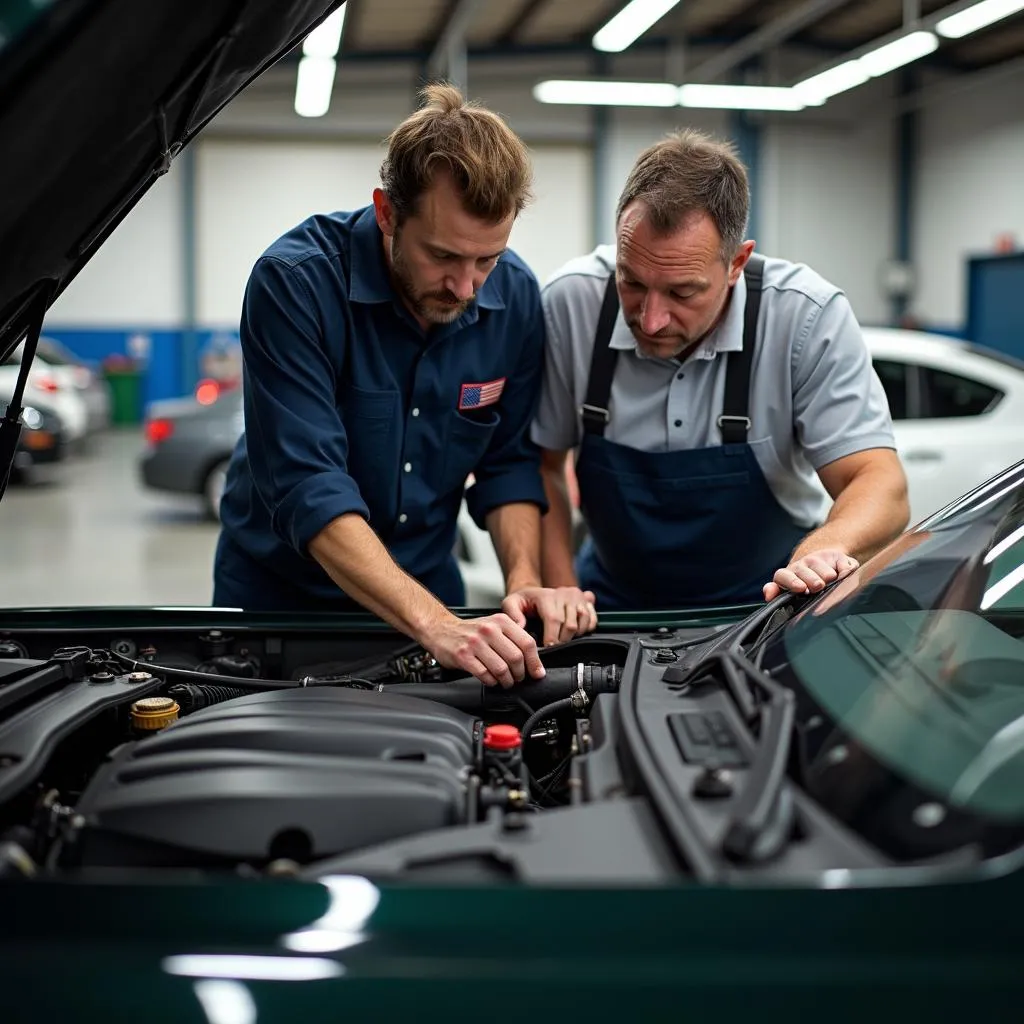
x=51, y=387
x=958, y=417
x=957, y=411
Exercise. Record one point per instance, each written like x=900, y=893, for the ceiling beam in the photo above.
x=521, y=17
x=765, y=38
x=354, y=10
x=448, y=53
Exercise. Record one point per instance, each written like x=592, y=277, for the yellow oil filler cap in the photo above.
x=152, y=713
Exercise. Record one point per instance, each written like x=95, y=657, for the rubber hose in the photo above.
x=472, y=695
x=194, y=696
x=545, y=712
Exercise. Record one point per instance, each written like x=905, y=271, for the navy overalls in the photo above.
x=679, y=529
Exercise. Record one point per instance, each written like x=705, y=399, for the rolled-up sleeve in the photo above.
x=296, y=441
x=839, y=405
x=510, y=468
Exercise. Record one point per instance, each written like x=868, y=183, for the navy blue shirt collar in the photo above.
x=370, y=280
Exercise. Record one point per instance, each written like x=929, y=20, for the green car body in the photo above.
x=942, y=940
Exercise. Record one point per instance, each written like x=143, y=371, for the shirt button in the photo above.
x=680, y=376
x=408, y=467
x=403, y=518
x=679, y=423
x=415, y=412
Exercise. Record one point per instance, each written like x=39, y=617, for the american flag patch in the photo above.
x=473, y=396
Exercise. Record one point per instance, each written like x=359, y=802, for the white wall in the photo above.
x=970, y=187
x=825, y=194
x=827, y=199
x=248, y=193
x=631, y=132
x=136, y=278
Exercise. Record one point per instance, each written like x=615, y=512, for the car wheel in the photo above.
x=213, y=488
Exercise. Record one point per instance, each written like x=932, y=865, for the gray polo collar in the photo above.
x=726, y=337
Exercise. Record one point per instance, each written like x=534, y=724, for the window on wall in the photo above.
x=947, y=395
x=893, y=376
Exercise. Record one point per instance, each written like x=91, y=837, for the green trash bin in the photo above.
x=125, y=384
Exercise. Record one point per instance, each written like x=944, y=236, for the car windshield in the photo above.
x=910, y=681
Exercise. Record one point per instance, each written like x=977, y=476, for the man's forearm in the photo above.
x=354, y=557
x=515, y=531
x=870, y=512
x=556, y=531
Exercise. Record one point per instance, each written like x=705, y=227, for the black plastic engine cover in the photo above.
x=292, y=773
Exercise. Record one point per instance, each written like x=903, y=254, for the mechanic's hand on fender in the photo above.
x=565, y=611
x=810, y=573
x=495, y=649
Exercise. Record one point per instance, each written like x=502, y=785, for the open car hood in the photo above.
x=97, y=97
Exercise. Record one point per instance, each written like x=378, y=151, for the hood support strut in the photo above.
x=10, y=425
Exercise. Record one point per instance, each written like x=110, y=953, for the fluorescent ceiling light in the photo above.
x=835, y=80
x=325, y=39
x=897, y=53
x=617, y=94
x=313, y=86
x=977, y=17
x=872, y=64
x=630, y=23
x=740, y=97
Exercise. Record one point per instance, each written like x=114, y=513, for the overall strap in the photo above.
x=734, y=421
x=594, y=410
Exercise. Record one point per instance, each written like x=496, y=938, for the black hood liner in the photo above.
x=96, y=99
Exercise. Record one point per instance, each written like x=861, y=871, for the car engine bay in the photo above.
x=291, y=753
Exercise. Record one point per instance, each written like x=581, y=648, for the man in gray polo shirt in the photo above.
x=716, y=401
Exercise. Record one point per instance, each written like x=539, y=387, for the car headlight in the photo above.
x=32, y=418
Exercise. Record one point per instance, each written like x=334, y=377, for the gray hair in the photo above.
x=689, y=172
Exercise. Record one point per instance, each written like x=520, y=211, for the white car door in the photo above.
x=953, y=429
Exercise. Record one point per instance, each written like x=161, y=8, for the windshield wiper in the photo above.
x=762, y=820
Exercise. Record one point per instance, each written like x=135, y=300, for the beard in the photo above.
x=434, y=307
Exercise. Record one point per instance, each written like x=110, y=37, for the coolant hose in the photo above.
x=558, y=683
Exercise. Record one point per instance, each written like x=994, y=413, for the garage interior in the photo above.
x=904, y=189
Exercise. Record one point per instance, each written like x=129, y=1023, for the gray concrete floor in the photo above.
x=87, y=533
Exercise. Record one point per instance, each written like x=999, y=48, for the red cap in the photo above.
x=502, y=737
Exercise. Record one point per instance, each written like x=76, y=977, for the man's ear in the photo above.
x=387, y=220
x=739, y=261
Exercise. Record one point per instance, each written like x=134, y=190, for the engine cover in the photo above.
x=300, y=774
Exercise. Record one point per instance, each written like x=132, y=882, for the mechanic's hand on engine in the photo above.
x=810, y=573
x=565, y=611
x=495, y=649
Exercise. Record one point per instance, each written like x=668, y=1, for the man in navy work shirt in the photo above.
x=390, y=353
x=731, y=438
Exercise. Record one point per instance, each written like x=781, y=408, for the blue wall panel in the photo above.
x=168, y=374
x=995, y=302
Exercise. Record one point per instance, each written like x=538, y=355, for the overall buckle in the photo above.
x=743, y=421
x=593, y=412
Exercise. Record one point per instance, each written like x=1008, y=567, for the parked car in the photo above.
x=189, y=443
x=42, y=442
x=79, y=376
x=802, y=809
x=46, y=388
x=957, y=409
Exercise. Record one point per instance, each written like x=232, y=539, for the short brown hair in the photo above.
x=689, y=172
x=489, y=162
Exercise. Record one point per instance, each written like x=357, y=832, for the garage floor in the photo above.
x=88, y=534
